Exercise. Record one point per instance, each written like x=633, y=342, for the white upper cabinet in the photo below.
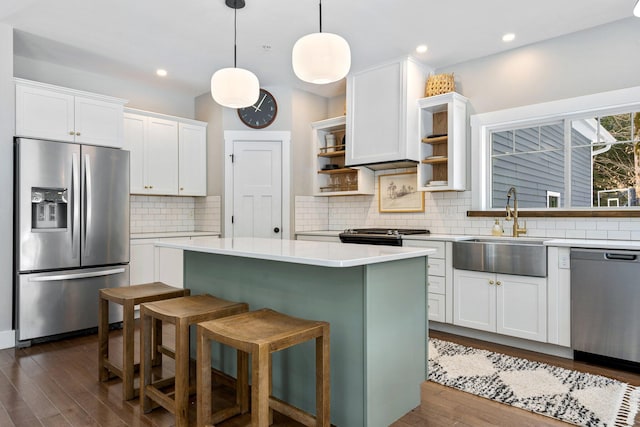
x=192, y=140
x=161, y=157
x=382, y=118
x=62, y=114
x=168, y=154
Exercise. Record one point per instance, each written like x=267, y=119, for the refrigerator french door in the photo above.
x=71, y=234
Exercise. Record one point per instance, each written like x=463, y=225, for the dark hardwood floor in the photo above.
x=55, y=384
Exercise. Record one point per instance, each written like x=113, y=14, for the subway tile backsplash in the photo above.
x=446, y=213
x=155, y=214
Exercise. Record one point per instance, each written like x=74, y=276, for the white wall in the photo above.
x=207, y=110
x=595, y=60
x=7, y=108
x=154, y=98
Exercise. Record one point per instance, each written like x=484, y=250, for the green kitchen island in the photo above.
x=373, y=296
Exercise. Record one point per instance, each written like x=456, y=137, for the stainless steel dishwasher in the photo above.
x=605, y=303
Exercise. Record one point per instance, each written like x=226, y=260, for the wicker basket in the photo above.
x=439, y=83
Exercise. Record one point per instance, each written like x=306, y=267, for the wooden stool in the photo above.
x=182, y=312
x=128, y=297
x=261, y=333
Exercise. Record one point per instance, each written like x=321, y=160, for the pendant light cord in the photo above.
x=320, y=10
x=235, y=37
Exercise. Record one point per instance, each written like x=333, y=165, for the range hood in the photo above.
x=395, y=164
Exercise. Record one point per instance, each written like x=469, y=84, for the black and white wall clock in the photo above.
x=262, y=113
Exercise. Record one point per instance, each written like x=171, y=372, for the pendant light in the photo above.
x=636, y=9
x=235, y=87
x=321, y=58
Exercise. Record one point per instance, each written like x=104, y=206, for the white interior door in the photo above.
x=257, y=189
x=257, y=184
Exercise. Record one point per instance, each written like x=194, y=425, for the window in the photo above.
x=579, y=153
x=594, y=164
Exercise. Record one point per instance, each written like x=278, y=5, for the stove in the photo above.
x=378, y=236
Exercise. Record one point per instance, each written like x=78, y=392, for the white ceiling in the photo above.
x=193, y=38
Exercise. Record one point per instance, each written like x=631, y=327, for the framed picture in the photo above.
x=398, y=192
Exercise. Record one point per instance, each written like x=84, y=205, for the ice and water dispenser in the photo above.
x=48, y=208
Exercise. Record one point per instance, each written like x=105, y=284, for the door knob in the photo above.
x=491, y=282
x=276, y=230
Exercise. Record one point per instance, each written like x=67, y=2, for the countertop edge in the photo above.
x=165, y=235
x=406, y=253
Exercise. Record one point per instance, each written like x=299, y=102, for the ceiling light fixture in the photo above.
x=636, y=9
x=162, y=73
x=509, y=37
x=321, y=58
x=235, y=87
x=421, y=48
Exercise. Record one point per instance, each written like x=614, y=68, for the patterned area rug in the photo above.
x=570, y=396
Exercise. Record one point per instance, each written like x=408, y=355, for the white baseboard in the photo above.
x=7, y=339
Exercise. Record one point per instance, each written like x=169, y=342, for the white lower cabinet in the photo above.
x=436, y=307
x=141, y=262
x=439, y=279
x=506, y=304
x=157, y=264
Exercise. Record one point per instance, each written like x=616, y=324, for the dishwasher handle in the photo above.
x=620, y=257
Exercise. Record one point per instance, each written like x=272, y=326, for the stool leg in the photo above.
x=323, y=398
x=260, y=386
x=156, y=355
x=182, y=374
x=103, y=338
x=203, y=378
x=242, y=382
x=145, y=360
x=128, y=345
x=270, y=376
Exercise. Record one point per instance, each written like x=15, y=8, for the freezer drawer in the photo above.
x=64, y=301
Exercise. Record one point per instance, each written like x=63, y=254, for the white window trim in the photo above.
x=482, y=125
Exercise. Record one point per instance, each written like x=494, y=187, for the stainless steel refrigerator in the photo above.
x=71, y=235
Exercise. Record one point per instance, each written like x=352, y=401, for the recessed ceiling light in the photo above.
x=421, y=48
x=509, y=37
x=161, y=72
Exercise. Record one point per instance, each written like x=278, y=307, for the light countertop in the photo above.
x=441, y=237
x=596, y=244
x=549, y=241
x=325, y=254
x=173, y=234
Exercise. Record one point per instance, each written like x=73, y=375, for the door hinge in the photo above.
x=232, y=157
x=231, y=219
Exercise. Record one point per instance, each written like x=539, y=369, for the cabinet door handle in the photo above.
x=78, y=133
x=491, y=282
x=498, y=283
x=181, y=188
x=71, y=132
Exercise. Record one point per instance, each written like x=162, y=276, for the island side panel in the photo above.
x=396, y=338
x=335, y=295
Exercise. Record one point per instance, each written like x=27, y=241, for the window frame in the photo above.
x=483, y=125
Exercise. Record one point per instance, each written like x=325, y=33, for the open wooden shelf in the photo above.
x=332, y=153
x=341, y=170
x=430, y=161
x=436, y=139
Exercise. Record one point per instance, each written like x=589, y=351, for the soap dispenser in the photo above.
x=497, y=228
